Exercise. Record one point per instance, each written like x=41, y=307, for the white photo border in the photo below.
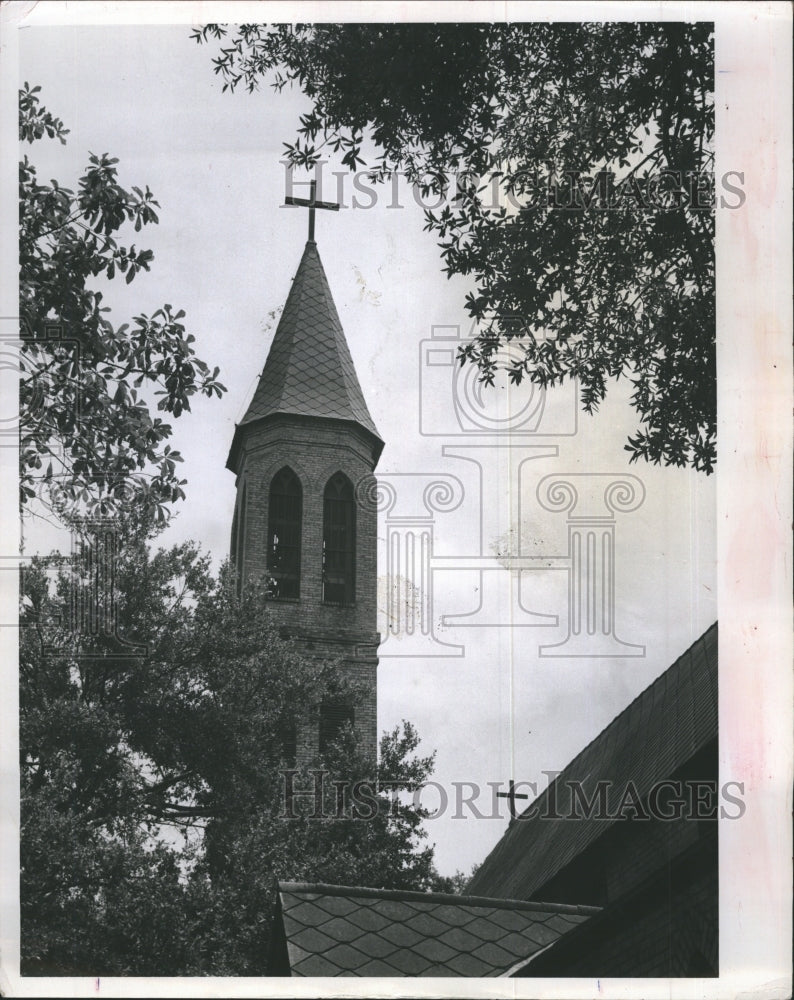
x=754, y=331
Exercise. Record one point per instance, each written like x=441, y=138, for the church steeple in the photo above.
x=303, y=455
x=309, y=371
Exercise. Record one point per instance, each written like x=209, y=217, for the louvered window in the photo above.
x=284, y=533
x=339, y=541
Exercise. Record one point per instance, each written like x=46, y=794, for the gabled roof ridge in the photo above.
x=635, y=750
x=632, y=705
x=450, y=898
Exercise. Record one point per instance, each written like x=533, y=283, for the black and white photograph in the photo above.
x=396, y=455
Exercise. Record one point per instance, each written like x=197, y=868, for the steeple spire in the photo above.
x=300, y=454
x=309, y=371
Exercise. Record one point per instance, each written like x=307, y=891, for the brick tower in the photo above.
x=301, y=454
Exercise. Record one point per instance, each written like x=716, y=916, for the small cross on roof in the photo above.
x=511, y=795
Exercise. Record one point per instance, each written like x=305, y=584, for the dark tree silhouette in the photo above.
x=584, y=195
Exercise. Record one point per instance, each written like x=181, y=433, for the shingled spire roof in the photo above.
x=309, y=371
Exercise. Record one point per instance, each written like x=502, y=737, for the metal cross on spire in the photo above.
x=311, y=203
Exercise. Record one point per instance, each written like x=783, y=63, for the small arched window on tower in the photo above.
x=238, y=539
x=233, y=548
x=285, y=513
x=334, y=717
x=339, y=541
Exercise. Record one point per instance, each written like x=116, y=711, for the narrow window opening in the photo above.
x=233, y=549
x=339, y=541
x=285, y=514
x=334, y=716
x=238, y=540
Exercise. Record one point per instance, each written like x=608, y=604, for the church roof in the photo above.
x=650, y=740
x=329, y=930
x=309, y=371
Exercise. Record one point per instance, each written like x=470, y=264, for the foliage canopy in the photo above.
x=155, y=776
x=583, y=193
x=88, y=438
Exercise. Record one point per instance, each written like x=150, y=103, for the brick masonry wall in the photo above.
x=668, y=926
x=627, y=854
x=658, y=882
x=640, y=851
x=630, y=851
x=315, y=449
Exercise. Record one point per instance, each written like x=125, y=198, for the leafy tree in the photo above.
x=155, y=807
x=88, y=438
x=584, y=198
x=345, y=824
x=98, y=891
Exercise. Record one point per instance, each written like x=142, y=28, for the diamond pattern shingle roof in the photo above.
x=649, y=741
x=340, y=931
x=309, y=371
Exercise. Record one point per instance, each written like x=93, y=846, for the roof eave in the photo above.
x=233, y=459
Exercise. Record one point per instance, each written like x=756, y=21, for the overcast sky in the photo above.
x=225, y=252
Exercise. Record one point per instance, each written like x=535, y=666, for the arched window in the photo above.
x=285, y=513
x=238, y=539
x=339, y=541
x=334, y=717
x=233, y=551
